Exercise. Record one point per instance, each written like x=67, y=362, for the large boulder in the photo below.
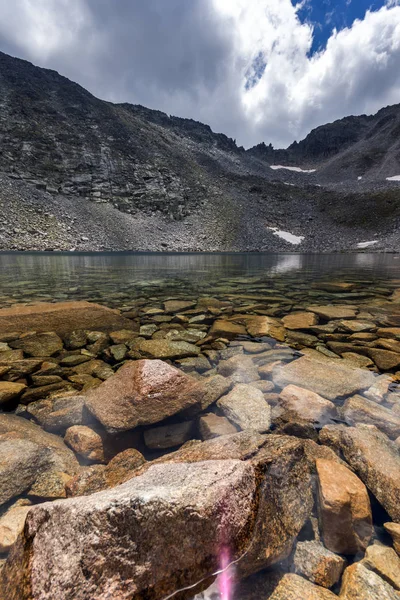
x=344, y=508
x=121, y=543
x=330, y=378
x=142, y=392
x=61, y=317
x=374, y=458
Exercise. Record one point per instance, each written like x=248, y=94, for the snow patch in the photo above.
x=394, y=178
x=359, y=178
x=366, y=244
x=286, y=183
x=295, y=169
x=288, y=237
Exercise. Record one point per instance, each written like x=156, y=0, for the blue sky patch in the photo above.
x=326, y=15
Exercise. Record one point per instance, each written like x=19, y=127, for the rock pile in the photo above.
x=202, y=426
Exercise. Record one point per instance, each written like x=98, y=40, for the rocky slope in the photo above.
x=80, y=173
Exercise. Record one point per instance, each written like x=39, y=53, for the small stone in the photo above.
x=11, y=525
x=168, y=436
x=86, y=442
x=227, y=329
x=246, y=408
x=384, y=359
x=50, y=485
x=198, y=363
x=211, y=426
x=264, y=385
x=213, y=388
x=124, y=336
x=357, y=326
x=74, y=359
x=175, y=306
x=240, y=368
x=10, y=391
x=317, y=564
x=357, y=360
x=167, y=349
x=344, y=508
x=75, y=340
x=334, y=312
x=394, y=530
x=39, y=344
x=118, y=352
x=255, y=347
x=301, y=320
x=294, y=587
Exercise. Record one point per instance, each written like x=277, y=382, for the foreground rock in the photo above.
x=344, y=508
x=329, y=378
x=61, y=317
x=374, y=458
x=359, y=583
x=142, y=392
x=88, y=548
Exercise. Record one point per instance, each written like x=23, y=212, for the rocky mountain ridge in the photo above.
x=77, y=172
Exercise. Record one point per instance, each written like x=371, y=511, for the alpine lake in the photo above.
x=282, y=368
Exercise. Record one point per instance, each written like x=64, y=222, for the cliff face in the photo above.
x=127, y=177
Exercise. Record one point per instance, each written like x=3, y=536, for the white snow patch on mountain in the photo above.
x=295, y=169
x=288, y=237
x=394, y=178
x=366, y=244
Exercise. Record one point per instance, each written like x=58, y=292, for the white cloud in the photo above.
x=241, y=66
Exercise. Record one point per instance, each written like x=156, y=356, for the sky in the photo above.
x=256, y=70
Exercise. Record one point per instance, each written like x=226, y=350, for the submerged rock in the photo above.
x=142, y=392
x=211, y=426
x=329, y=378
x=299, y=403
x=360, y=410
x=246, y=408
x=10, y=391
x=39, y=344
x=61, y=317
x=168, y=436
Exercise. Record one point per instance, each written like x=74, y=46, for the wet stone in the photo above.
x=246, y=408
x=168, y=436
x=211, y=426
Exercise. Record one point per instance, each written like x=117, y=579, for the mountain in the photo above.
x=80, y=173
